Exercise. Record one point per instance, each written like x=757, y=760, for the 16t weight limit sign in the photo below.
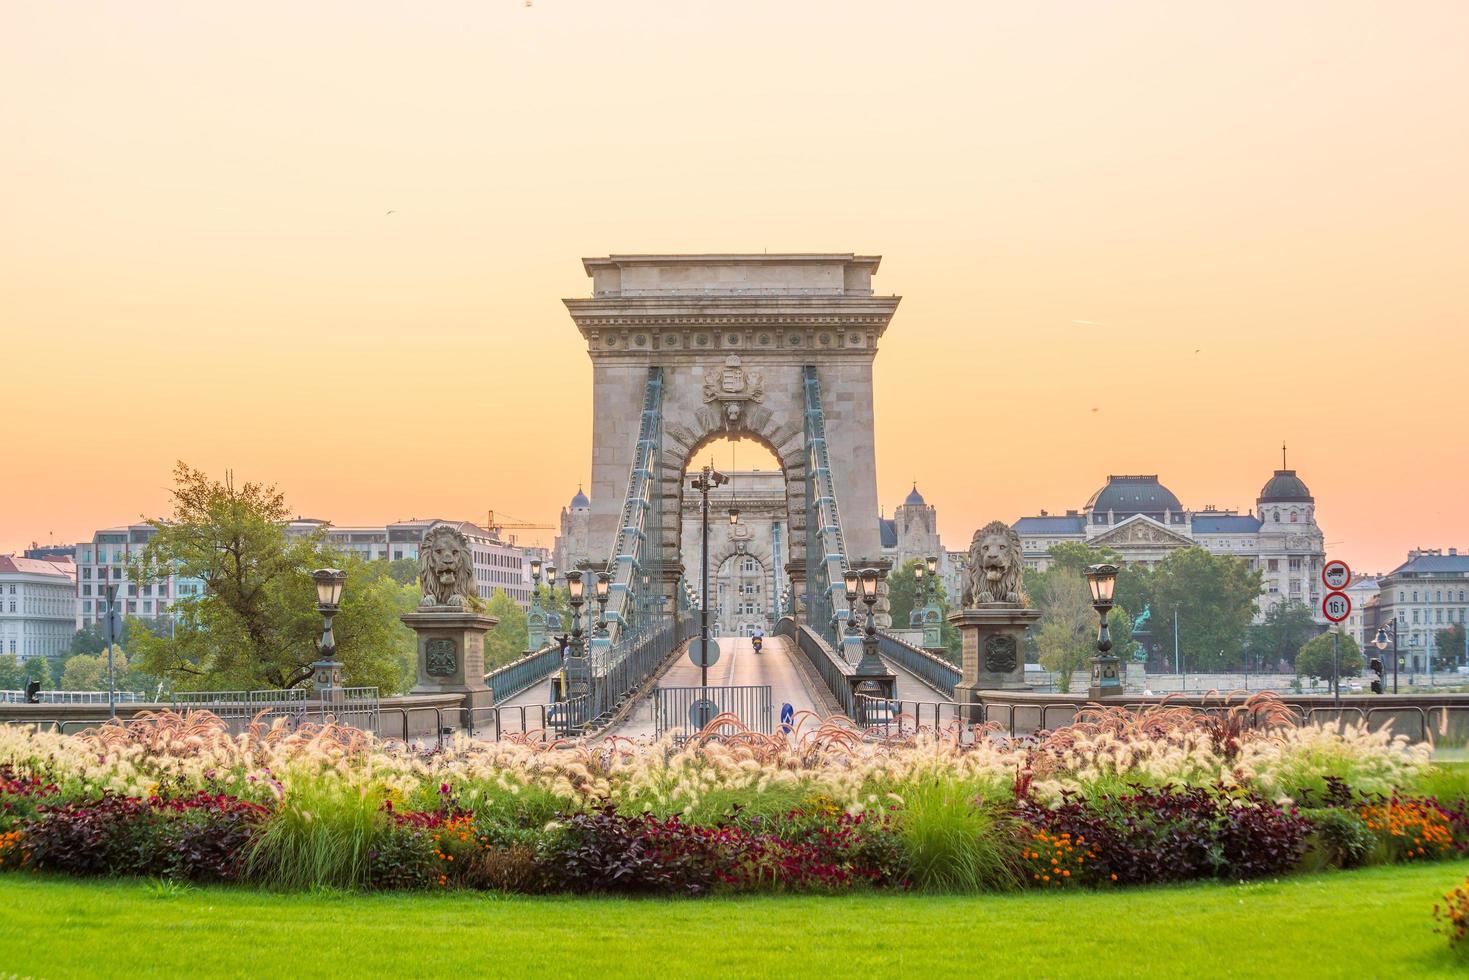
x=1336, y=607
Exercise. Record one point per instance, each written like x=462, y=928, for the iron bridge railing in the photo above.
x=834, y=671
x=508, y=680
x=934, y=671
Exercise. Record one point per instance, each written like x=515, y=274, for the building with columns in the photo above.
x=1425, y=595
x=37, y=607
x=1143, y=521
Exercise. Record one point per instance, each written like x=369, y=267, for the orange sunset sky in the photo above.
x=1129, y=237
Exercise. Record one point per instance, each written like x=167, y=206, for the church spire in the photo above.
x=1282, y=455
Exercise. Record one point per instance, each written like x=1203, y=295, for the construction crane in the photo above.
x=497, y=525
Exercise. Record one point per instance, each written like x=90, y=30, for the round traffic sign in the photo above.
x=704, y=653
x=1336, y=575
x=1336, y=607
x=702, y=712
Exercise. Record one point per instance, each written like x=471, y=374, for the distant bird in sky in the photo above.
x=394, y=211
x=1197, y=349
x=1096, y=410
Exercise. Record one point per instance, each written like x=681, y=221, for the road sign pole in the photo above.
x=1336, y=665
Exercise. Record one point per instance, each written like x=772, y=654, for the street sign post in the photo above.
x=1336, y=575
x=704, y=653
x=1336, y=607
x=701, y=713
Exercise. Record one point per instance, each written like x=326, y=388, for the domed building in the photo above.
x=1142, y=520
x=573, y=542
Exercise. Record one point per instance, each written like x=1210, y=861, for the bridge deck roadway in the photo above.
x=738, y=665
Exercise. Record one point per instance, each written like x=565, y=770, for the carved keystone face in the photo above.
x=445, y=558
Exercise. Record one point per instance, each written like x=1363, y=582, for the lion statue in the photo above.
x=995, y=566
x=445, y=567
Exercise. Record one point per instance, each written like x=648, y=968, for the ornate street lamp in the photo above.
x=574, y=588
x=1380, y=642
x=708, y=479
x=1106, y=678
x=852, y=581
x=872, y=678
x=326, y=672
x=604, y=583
x=535, y=620
x=734, y=515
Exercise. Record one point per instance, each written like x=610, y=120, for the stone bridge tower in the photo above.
x=734, y=335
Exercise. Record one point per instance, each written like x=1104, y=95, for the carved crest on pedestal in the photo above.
x=732, y=387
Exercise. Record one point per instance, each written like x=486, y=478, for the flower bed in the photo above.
x=1121, y=798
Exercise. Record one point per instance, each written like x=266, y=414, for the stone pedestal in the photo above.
x=993, y=636
x=451, y=652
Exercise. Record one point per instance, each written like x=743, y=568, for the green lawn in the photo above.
x=1368, y=923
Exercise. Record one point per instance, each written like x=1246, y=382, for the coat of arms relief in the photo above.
x=731, y=387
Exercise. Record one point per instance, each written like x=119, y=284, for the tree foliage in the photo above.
x=1066, y=632
x=508, y=640
x=1214, y=598
x=1449, y=645
x=12, y=674
x=903, y=591
x=1314, y=658
x=1282, y=633
x=256, y=624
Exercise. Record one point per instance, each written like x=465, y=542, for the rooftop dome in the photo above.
x=1286, y=488
x=1128, y=495
x=914, y=498
x=580, y=500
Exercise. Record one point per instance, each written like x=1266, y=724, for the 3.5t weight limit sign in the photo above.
x=1336, y=607
x=1335, y=575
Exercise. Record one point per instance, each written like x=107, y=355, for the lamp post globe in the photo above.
x=1106, y=670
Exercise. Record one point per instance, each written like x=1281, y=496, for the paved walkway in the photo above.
x=738, y=665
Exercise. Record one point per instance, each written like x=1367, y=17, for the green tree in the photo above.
x=12, y=674
x=1119, y=628
x=1450, y=647
x=1314, y=658
x=1066, y=634
x=508, y=640
x=88, y=639
x=88, y=672
x=1280, y=636
x=38, y=669
x=903, y=591
x=404, y=571
x=1214, y=599
x=255, y=624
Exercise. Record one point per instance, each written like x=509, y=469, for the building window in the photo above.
x=1273, y=564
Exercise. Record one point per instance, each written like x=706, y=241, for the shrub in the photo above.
x=1056, y=860
x=402, y=857
x=1175, y=834
x=200, y=837
x=21, y=795
x=605, y=851
x=1451, y=919
x=1417, y=828
x=953, y=842
x=1340, y=837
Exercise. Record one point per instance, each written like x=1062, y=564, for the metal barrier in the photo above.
x=934, y=671
x=683, y=709
x=237, y=709
x=72, y=697
x=637, y=656
x=523, y=673
x=833, y=670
